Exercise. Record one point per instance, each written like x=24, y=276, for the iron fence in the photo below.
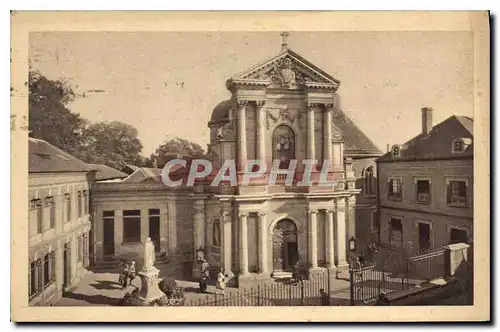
x=285, y=292
x=427, y=266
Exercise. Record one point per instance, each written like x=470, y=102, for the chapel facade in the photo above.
x=285, y=109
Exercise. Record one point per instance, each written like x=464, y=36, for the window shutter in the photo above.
x=448, y=193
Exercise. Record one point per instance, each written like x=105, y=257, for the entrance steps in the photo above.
x=282, y=275
x=113, y=262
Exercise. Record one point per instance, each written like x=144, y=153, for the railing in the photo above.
x=286, y=292
x=427, y=266
x=367, y=283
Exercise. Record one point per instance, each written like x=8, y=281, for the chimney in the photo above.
x=426, y=120
x=388, y=147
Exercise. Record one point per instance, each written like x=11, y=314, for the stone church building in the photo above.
x=284, y=108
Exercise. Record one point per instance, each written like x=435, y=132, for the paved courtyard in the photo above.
x=102, y=289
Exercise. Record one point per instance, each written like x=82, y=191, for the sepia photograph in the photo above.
x=287, y=168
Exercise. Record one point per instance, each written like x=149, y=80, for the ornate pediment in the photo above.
x=288, y=70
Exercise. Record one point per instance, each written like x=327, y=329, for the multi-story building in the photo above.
x=59, y=222
x=426, y=186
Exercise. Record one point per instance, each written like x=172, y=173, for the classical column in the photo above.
x=227, y=248
x=313, y=239
x=330, y=241
x=145, y=225
x=341, y=233
x=118, y=229
x=242, y=135
x=351, y=217
x=261, y=137
x=199, y=225
x=327, y=146
x=262, y=242
x=310, y=131
x=243, y=243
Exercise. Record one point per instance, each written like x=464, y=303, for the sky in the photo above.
x=166, y=84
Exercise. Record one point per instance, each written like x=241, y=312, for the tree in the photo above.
x=112, y=143
x=49, y=118
x=177, y=146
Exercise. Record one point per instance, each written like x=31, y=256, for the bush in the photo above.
x=164, y=301
x=168, y=286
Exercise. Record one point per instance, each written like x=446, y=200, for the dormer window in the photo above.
x=396, y=151
x=458, y=146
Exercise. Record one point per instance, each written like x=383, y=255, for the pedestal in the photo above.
x=149, y=287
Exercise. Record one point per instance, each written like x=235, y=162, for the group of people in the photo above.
x=205, y=278
x=127, y=274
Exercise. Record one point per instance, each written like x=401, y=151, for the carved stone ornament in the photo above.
x=226, y=131
x=282, y=114
x=336, y=133
x=284, y=73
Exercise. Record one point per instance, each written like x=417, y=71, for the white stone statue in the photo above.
x=149, y=254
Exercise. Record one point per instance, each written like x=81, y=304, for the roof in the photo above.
x=356, y=143
x=261, y=71
x=221, y=111
x=144, y=174
x=105, y=172
x=437, y=144
x=46, y=158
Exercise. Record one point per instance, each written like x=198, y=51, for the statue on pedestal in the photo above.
x=149, y=254
x=149, y=290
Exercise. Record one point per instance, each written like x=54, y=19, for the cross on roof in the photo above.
x=284, y=35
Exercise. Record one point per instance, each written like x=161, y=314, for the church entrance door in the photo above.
x=285, y=247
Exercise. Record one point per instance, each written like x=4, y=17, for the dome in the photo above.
x=221, y=111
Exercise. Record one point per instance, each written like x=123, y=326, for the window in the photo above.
x=458, y=146
x=396, y=232
x=85, y=202
x=424, y=236
x=395, y=189
x=216, y=233
x=85, y=246
x=396, y=151
x=458, y=235
x=50, y=204
x=283, y=145
x=32, y=289
x=79, y=203
x=131, y=226
x=67, y=206
x=49, y=267
x=80, y=248
x=36, y=207
x=423, y=191
x=456, y=193
x=368, y=181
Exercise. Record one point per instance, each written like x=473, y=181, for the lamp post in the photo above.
x=352, y=244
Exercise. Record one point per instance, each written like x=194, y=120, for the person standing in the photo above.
x=125, y=274
x=131, y=272
x=325, y=298
x=221, y=281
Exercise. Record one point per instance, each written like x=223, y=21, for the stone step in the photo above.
x=282, y=275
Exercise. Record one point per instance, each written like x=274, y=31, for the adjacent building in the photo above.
x=59, y=222
x=426, y=186
x=284, y=108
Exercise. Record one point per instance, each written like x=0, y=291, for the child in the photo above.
x=221, y=281
x=124, y=275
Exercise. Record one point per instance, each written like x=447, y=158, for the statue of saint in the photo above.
x=149, y=254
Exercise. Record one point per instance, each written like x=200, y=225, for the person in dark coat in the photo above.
x=325, y=298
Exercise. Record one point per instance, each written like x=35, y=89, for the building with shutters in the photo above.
x=59, y=224
x=426, y=186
